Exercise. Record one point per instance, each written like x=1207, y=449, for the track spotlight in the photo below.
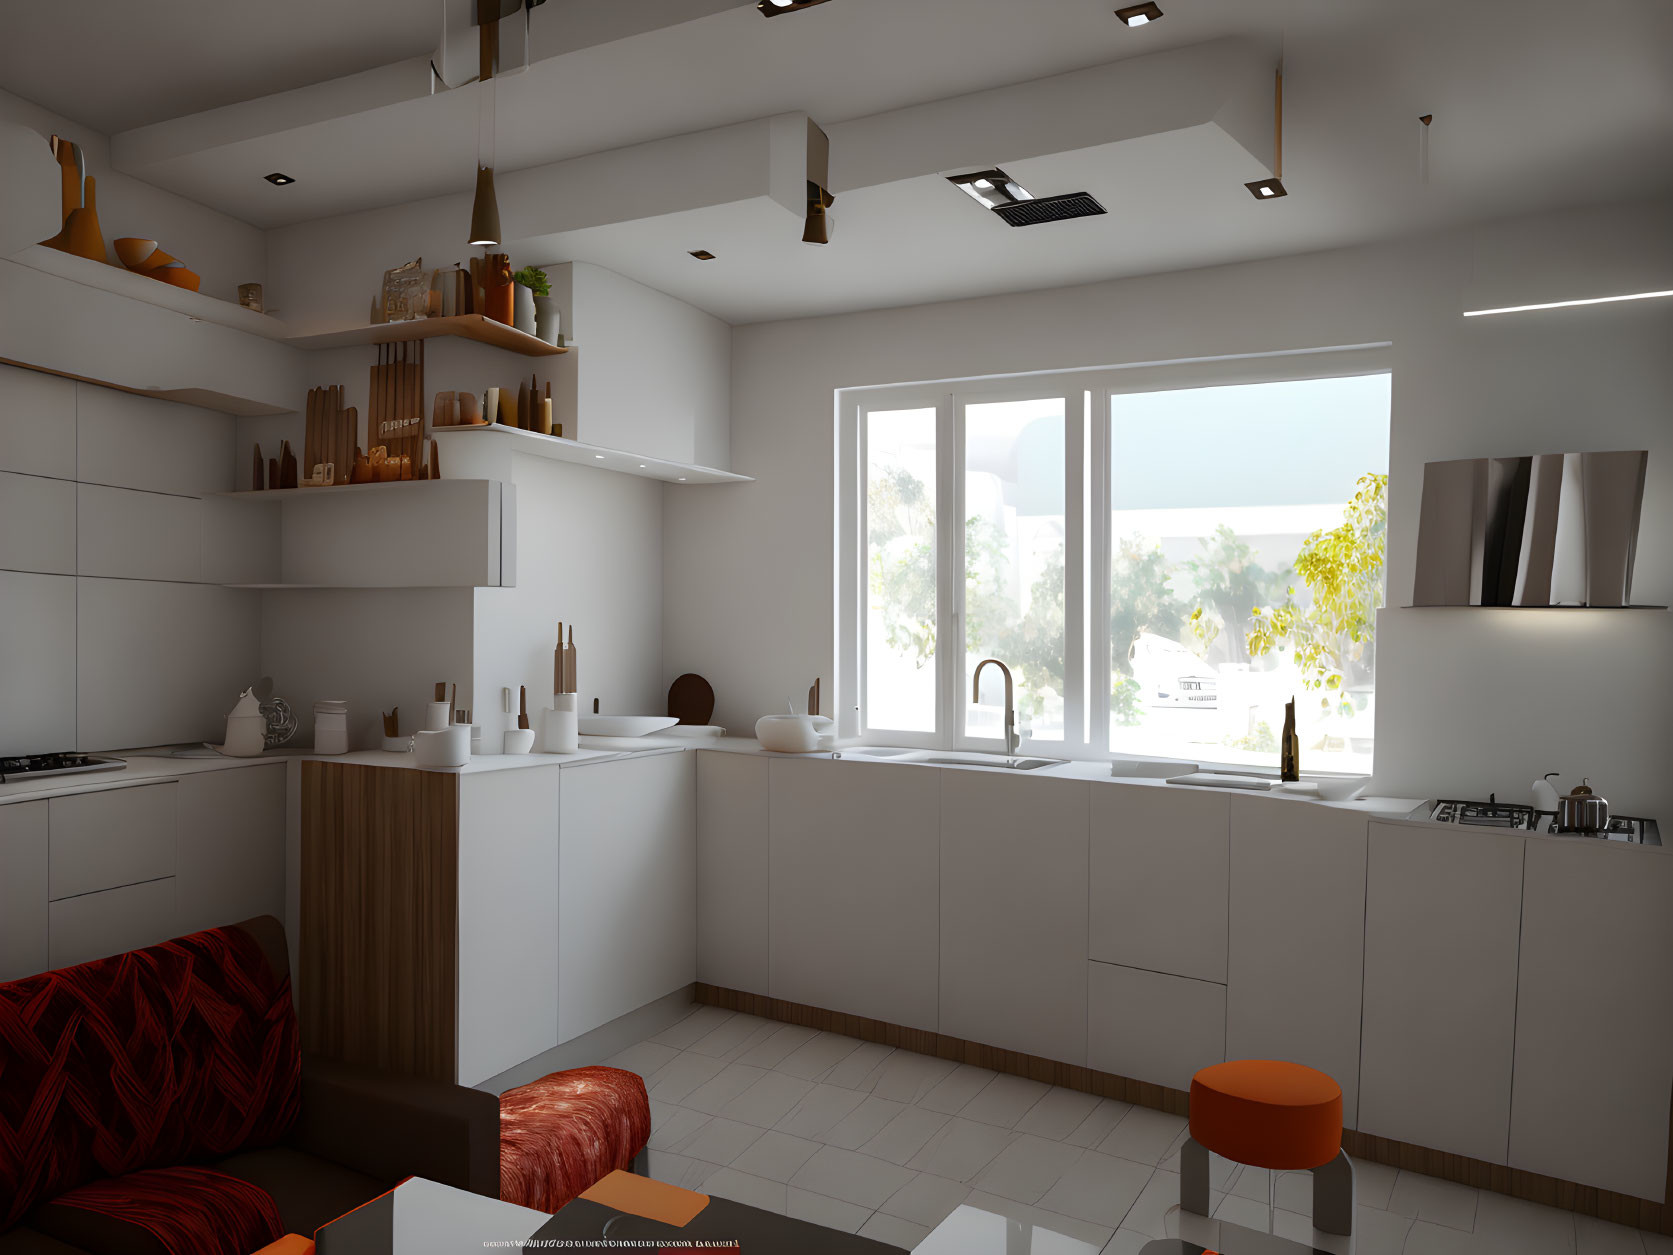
x=819, y=224
x=277, y=179
x=1273, y=188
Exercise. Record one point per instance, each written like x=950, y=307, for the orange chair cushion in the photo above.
x=1267, y=1113
x=290, y=1244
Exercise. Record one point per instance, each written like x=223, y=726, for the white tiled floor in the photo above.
x=856, y=1136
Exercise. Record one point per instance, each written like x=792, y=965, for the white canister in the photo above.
x=561, y=728
x=438, y=717
x=331, y=727
x=449, y=747
x=517, y=741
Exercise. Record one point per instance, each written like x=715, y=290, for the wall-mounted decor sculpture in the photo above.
x=143, y=257
x=1556, y=529
x=81, y=235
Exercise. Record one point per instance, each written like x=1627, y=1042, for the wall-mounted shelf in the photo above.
x=561, y=449
x=1522, y=609
x=462, y=326
x=277, y=495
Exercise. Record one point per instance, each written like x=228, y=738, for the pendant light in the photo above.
x=485, y=210
x=1271, y=189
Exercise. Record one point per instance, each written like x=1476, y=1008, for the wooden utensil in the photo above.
x=392, y=723
x=557, y=663
x=691, y=700
x=523, y=707
x=257, y=481
x=441, y=690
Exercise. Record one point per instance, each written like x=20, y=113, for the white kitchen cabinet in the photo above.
x=37, y=423
x=1158, y=880
x=1593, y=1017
x=37, y=663
x=131, y=441
x=1297, y=932
x=1442, y=918
x=855, y=875
x=1013, y=912
x=111, y=837
x=97, y=925
x=732, y=873
x=230, y=858
x=1151, y=1026
x=124, y=534
x=23, y=889
x=627, y=888
x=509, y=918
x=37, y=524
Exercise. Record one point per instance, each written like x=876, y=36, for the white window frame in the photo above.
x=1086, y=396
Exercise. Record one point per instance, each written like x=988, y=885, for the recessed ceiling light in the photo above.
x=772, y=8
x=1266, y=189
x=682, y=479
x=991, y=189
x=1139, y=14
x=277, y=179
x=599, y=456
x=702, y=254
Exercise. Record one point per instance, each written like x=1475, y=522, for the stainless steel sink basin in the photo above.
x=1009, y=764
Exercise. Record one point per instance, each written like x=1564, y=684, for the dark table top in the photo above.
x=756, y=1232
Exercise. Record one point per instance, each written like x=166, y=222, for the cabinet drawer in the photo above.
x=110, y=838
x=99, y=924
x=1153, y=1027
x=22, y=888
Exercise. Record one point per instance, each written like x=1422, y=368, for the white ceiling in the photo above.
x=1537, y=104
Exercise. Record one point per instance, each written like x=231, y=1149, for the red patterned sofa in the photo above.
x=158, y=1103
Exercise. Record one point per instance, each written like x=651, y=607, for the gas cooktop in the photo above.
x=33, y=766
x=1496, y=814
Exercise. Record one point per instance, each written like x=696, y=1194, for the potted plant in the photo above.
x=536, y=289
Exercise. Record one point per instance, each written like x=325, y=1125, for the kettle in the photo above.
x=1582, y=810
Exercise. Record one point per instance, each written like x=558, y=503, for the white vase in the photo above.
x=522, y=308
x=548, y=323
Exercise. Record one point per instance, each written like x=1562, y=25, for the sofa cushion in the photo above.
x=309, y=1191
x=182, y=1051
x=163, y=1211
x=24, y=1241
x=567, y=1131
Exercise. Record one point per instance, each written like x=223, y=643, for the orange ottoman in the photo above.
x=562, y=1134
x=1275, y=1115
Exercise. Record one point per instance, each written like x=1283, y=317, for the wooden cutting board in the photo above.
x=691, y=700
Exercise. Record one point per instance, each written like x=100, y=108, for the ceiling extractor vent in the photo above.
x=1031, y=213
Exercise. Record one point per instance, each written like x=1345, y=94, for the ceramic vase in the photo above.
x=548, y=323
x=522, y=308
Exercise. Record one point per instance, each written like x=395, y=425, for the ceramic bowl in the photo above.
x=448, y=748
x=1341, y=788
x=787, y=734
x=518, y=740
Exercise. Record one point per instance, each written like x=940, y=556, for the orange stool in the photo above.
x=1279, y=1116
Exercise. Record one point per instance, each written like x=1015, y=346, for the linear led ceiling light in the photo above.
x=1590, y=300
x=772, y=8
x=1139, y=14
x=1273, y=188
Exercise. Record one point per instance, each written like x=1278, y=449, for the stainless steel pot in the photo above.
x=1582, y=810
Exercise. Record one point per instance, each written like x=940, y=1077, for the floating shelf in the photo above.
x=124, y=282
x=337, y=490
x=476, y=327
x=1527, y=608
x=561, y=449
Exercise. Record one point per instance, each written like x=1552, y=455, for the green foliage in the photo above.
x=533, y=278
x=1231, y=586
x=1263, y=740
x=1333, y=637
x=1124, y=700
x=902, y=527
x=1140, y=601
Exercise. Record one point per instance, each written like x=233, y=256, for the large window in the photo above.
x=1162, y=558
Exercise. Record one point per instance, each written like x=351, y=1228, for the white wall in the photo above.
x=224, y=251
x=750, y=569
x=589, y=553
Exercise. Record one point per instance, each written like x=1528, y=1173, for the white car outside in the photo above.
x=1169, y=675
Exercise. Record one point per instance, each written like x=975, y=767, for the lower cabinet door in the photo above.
x=1153, y=1027
x=627, y=887
x=732, y=884
x=1593, y=1017
x=230, y=864
x=856, y=866
x=97, y=925
x=1013, y=912
x=23, y=889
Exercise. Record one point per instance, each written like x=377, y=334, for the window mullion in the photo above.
x=949, y=581
x=1074, y=578
x=1101, y=570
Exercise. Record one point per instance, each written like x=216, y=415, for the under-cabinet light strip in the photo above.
x=1591, y=300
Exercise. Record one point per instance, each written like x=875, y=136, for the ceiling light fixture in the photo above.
x=1590, y=300
x=817, y=223
x=991, y=189
x=1010, y=200
x=772, y=8
x=485, y=208
x=1271, y=189
x=702, y=254
x=1139, y=14
x=277, y=179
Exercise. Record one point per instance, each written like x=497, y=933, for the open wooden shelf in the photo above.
x=476, y=327
x=289, y=494
x=562, y=449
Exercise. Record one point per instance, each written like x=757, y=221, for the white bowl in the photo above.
x=518, y=740
x=787, y=734
x=1340, y=788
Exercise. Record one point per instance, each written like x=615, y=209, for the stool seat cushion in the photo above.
x=565, y=1132
x=1267, y=1113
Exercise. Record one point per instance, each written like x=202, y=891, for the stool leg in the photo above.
x=1333, y=1196
x=1193, y=1177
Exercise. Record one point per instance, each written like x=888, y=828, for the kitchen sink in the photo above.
x=994, y=760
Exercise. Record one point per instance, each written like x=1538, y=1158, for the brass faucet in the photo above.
x=1012, y=740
